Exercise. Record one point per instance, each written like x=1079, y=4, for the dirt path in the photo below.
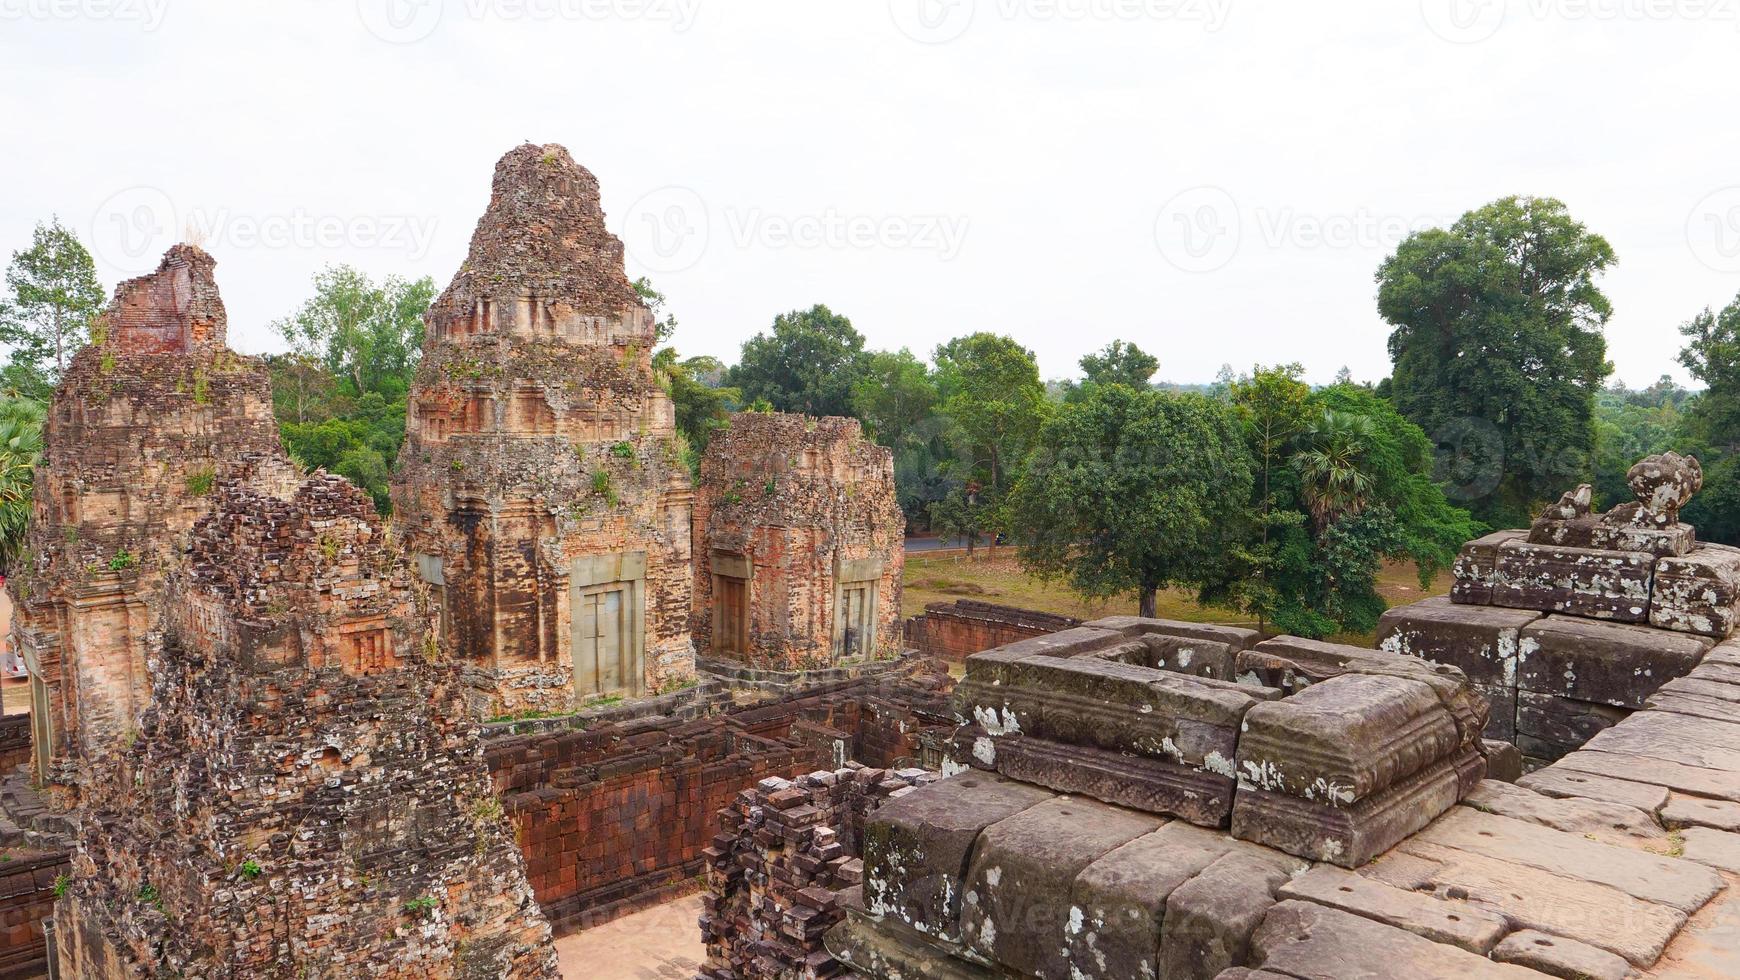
x=661, y=943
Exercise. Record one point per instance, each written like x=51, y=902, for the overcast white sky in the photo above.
x=1216, y=180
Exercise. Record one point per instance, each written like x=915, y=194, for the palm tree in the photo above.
x=20, y=448
x=1333, y=449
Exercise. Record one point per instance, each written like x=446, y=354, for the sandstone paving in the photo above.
x=1429, y=916
x=1561, y=782
x=1303, y=939
x=1695, y=811
x=1557, y=956
x=1614, y=823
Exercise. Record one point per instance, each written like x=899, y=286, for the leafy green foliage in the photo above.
x=55, y=295
x=1133, y=490
x=994, y=399
x=1120, y=363
x=809, y=363
x=1348, y=487
x=1712, y=354
x=21, y=421
x=1498, y=325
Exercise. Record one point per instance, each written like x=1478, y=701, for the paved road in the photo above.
x=917, y=546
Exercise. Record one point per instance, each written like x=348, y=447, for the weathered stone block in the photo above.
x=1662, y=542
x=1304, y=939
x=1016, y=905
x=1606, y=663
x=1345, y=738
x=1557, y=956
x=1428, y=916
x=1209, y=920
x=1150, y=785
x=1586, y=582
x=1481, y=641
x=1121, y=900
x=1549, y=726
x=1103, y=703
x=1350, y=836
x=1501, y=703
x=1476, y=567
x=1698, y=593
x=1237, y=637
x=916, y=848
x=1291, y=664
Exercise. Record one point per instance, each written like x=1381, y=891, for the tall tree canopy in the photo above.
x=1498, y=344
x=809, y=363
x=339, y=393
x=369, y=335
x=992, y=393
x=1712, y=354
x=1344, y=484
x=1119, y=363
x=54, y=296
x=1133, y=490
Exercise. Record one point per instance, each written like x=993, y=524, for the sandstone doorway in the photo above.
x=731, y=616
x=857, y=625
x=601, y=645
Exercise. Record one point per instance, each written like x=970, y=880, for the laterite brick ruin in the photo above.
x=799, y=544
x=306, y=796
x=149, y=417
x=541, y=487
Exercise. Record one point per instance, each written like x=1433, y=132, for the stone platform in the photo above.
x=1569, y=627
x=1617, y=861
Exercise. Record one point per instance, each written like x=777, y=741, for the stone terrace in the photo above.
x=1619, y=860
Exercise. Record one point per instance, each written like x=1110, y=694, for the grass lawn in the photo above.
x=1000, y=579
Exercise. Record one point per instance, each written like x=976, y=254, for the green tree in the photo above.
x=809, y=363
x=1118, y=363
x=702, y=408
x=55, y=293
x=21, y=422
x=992, y=394
x=1498, y=330
x=664, y=322
x=1331, y=463
x=894, y=396
x=1273, y=406
x=1134, y=491
x=1712, y=354
x=367, y=335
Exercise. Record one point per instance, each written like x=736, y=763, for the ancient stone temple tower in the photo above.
x=799, y=544
x=306, y=796
x=541, y=486
x=148, y=418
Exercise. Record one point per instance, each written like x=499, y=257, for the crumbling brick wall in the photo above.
x=147, y=419
x=541, y=467
x=799, y=544
x=305, y=797
x=27, y=885
x=14, y=741
x=772, y=871
x=616, y=816
x=956, y=630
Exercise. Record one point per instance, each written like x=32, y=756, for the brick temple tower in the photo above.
x=799, y=544
x=541, y=487
x=147, y=419
x=306, y=795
